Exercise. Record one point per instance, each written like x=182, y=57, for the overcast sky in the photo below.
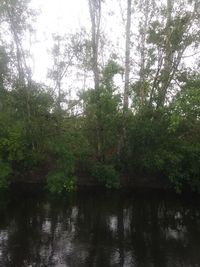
x=67, y=16
x=61, y=16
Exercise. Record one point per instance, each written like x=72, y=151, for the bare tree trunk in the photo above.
x=143, y=51
x=122, y=137
x=127, y=56
x=22, y=68
x=24, y=73
x=168, y=59
x=95, y=17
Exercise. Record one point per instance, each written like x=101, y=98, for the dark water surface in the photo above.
x=100, y=229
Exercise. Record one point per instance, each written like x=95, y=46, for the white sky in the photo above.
x=67, y=16
x=60, y=16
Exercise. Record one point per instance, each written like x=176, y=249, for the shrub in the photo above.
x=5, y=171
x=58, y=182
x=106, y=174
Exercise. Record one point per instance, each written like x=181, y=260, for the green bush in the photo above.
x=59, y=182
x=5, y=171
x=106, y=174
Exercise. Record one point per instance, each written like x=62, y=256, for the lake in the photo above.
x=100, y=228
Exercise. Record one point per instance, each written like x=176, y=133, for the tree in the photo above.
x=110, y=120
x=146, y=7
x=95, y=17
x=170, y=42
x=63, y=54
x=18, y=16
x=127, y=55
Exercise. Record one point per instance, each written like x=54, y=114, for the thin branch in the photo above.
x=192, y=55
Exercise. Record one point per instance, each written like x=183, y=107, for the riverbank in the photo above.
x=84, y=180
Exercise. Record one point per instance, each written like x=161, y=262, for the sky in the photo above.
x=67, y=16
x=61, y=16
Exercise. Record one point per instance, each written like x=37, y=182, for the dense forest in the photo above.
x=148, y=126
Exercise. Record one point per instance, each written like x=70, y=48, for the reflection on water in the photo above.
x=100, y=229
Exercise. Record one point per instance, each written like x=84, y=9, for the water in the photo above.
x=100, y=229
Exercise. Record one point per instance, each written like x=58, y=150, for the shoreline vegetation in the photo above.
x=144, y=133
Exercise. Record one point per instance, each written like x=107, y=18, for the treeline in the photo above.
x=150, y=127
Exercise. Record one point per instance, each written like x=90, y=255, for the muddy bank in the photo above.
x=37, y=180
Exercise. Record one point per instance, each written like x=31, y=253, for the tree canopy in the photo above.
x=148, y=126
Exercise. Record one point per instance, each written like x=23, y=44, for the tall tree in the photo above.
x=17, y=15
x=95, y=17
x=143, y=33
x=169, y=37
x=127, y=55
x=63, y=53
x=168, y=55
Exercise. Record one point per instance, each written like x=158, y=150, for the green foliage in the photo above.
x=60, y=182
x=158, y=136
x=145, y=144
x=13, y=145
x=106, y=174
x=166, y=142
x=185, y=125
x=5, y=171
x=25, y=125
x=162, y=142
x=3, y=66
x=186, y=106
x=102, y=114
